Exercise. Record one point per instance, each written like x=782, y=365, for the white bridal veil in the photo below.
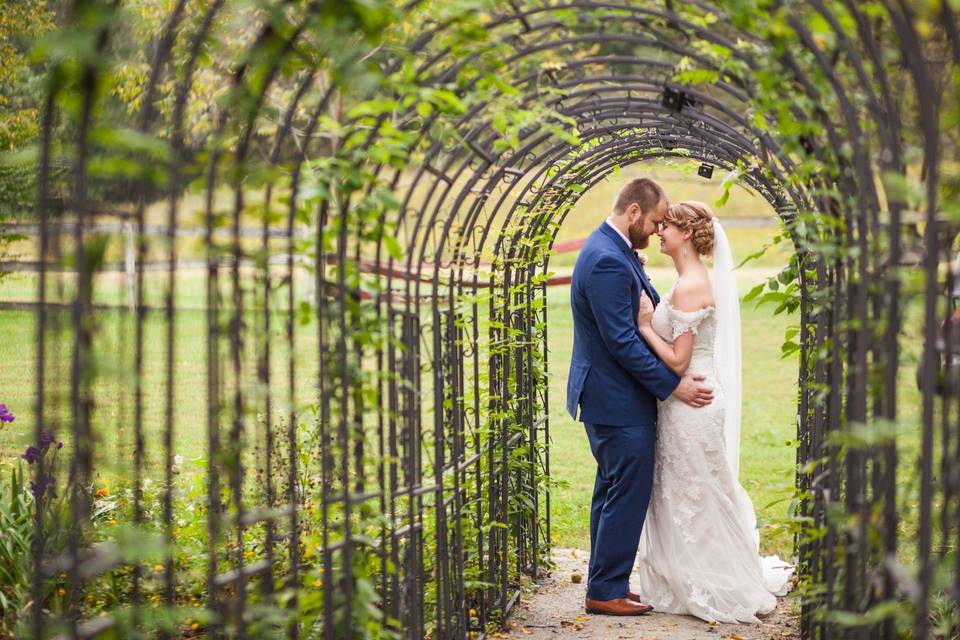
x=727, y=344
x=776, y=572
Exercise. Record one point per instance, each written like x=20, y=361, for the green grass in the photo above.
x=113, y=411
x=766, y=475
x=770, y=389
x=768, y=412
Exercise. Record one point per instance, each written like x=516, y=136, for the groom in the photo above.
x=616, y=379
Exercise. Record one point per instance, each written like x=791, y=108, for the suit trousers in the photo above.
x=621, y=495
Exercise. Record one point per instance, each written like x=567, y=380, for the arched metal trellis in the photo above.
x=366, y=330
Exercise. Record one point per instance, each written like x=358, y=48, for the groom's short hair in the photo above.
x=643, y=191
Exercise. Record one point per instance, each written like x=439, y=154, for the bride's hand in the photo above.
x=645, y=315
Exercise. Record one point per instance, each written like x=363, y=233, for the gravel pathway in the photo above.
x=555, y=610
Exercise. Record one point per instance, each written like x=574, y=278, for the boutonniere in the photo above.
x=643, y=258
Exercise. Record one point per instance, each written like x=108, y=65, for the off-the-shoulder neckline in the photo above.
x=668, y=299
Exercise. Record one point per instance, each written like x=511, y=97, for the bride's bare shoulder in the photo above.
x=692, y=293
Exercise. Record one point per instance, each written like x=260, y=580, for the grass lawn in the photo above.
x=768, y=420
x=769, y=400
x=113, y=412
x=770, y=385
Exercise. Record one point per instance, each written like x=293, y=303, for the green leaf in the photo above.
x=753, y=256
x=753, y=293
x=448, y=102
x=393, y=246
x=697, y=76
x=788, y=348
x=722, y=200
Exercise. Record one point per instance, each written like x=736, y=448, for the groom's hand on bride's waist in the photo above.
x=693, y=392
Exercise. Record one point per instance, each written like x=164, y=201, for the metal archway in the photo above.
x=403, y=465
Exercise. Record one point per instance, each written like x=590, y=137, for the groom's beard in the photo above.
x=638, y=238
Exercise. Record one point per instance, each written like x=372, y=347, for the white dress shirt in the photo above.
x=620, y=233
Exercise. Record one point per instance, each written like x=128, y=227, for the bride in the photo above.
x=699, y=548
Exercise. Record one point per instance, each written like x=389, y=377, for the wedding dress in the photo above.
x=699, y=548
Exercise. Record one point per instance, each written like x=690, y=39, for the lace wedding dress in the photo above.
x=699, y=546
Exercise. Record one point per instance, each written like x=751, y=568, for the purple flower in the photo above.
x=43, y=484
x=34, y=453
x=46, y=439
x=5, y=415
x=31, y=455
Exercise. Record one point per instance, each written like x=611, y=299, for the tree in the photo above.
x=21, y=93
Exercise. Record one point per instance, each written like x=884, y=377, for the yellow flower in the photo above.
x=61, y=591
x=157, y=568
x=111, y=522
x=194, y=626
x=473, y=612
x=318, y=583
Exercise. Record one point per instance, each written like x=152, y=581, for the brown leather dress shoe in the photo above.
x=616, y=607
x=636, y=598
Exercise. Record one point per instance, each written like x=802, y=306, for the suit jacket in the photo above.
x=615, y=377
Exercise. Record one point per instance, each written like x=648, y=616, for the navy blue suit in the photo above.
x=615, y=379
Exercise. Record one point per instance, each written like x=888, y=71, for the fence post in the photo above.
x=129, y=264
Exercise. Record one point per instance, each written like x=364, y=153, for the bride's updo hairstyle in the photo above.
x=697, y=217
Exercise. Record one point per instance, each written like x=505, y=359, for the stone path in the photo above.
x=555, y=611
